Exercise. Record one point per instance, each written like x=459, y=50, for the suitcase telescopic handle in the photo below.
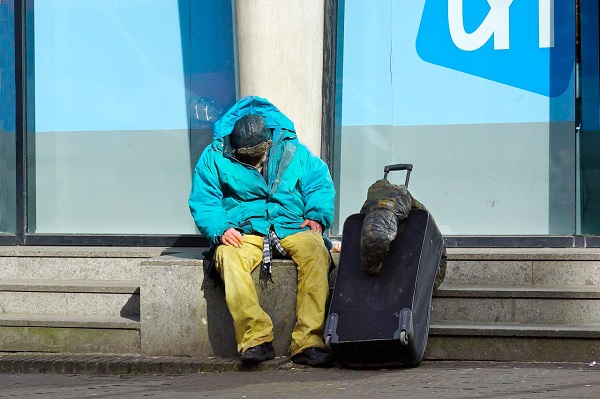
x=399, y=166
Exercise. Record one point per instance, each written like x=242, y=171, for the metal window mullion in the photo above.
x=20, y=118
x=328, y=82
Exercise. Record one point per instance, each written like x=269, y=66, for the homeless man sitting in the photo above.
x=257, y=190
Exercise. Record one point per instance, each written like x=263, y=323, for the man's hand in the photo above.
x=232, y=237
x=315, y=226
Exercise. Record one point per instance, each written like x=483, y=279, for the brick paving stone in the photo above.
x=38, y=365
x=113, y=366
x=168, y=367
x=185, y=367
x=134, y=366
x=54, y=364
x=152, y=366
x=90, y=365
x=7, y=366
x=25, y=365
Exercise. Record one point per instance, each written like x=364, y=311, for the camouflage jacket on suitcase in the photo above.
x=386, y=206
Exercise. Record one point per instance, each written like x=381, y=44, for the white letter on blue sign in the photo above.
x=546, y=23
x=496, y=22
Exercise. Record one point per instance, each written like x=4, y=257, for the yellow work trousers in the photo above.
x=252, y=325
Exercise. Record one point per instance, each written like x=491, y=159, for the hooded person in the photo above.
x=251, y=140
x=258, y=192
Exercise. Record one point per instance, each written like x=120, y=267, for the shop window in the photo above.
x=479, y=98
x=122, y=97
x=588, y=97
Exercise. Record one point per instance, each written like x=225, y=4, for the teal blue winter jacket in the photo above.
x=227, y=193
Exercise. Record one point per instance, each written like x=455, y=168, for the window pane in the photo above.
x=589, y=138
x=116, y=132
x=7, y=119
x=488, y=123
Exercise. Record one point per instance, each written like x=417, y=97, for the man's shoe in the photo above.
x=259, y=353
x=315, y=357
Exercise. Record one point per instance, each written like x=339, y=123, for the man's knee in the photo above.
x=246, y=257
x=304, y=241
x=308, y=251
x=223, y=254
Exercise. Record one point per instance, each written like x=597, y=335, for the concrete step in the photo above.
x=70, y=334
x=67, y=321
x=69, y=297
x=517, y=304
x=514, y=342
x=544, y=330
x=496, y=303
x=82, y=286
x=518, y=291
x=77, y=263
x=523, y=266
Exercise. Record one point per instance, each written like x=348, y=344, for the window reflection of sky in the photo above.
x=131, y=65
x=385, y=82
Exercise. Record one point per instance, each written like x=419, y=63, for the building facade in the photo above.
x=107, y=106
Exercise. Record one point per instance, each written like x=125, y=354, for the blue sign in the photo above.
x=527, y=44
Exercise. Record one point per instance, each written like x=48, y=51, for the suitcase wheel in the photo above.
x=403, y=338
x=328, y=341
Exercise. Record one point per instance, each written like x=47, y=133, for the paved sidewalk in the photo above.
x=447, y=380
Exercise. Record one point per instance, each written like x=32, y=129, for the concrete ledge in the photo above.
x=65, y=321
x=483, y=254
x=85, y=252
x=81, y=286
x=149, y=252
x=38, y=363
x=183, y=311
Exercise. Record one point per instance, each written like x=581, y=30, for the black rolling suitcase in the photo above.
x=382, y=320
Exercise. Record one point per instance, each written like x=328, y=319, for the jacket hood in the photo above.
x=273, y=117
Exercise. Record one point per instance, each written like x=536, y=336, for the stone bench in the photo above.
x=183, y=312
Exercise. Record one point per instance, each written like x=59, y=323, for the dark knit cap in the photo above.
x=249, y=131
